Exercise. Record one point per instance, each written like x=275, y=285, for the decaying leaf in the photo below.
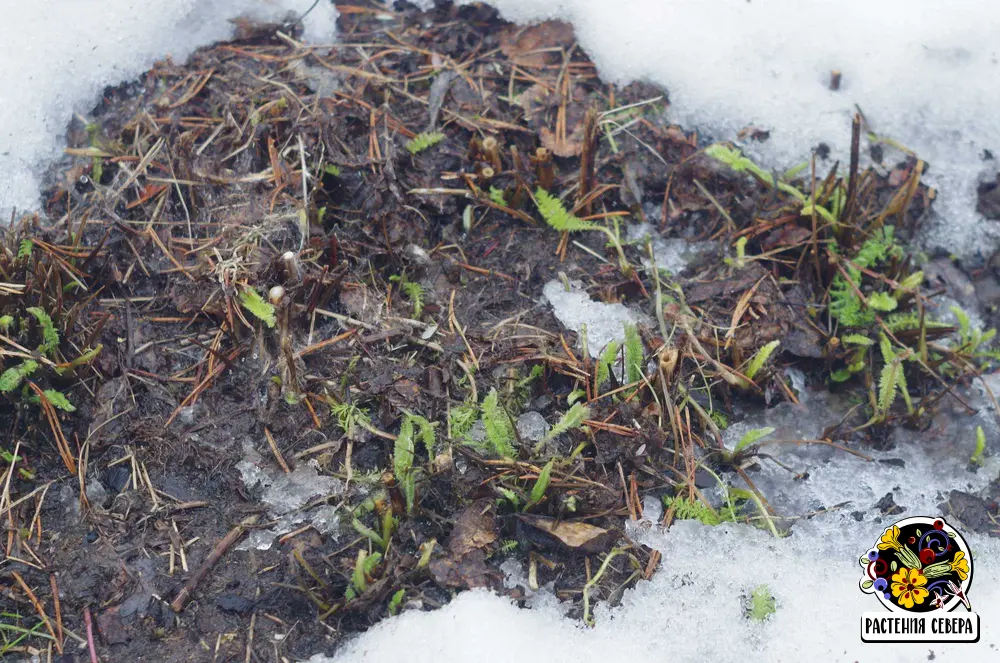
x=573, y=534
x=464, y=564
x=466, y=571
x=529, y=47
x=541, y=109
x=474, y=529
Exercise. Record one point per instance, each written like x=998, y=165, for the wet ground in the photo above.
x=248, y=488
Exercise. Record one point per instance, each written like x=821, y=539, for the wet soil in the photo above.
x=187, y=190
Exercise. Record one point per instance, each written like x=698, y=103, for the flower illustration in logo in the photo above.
x=918, y=565
x=960, y=565
x=890, y=539
x=908, y=587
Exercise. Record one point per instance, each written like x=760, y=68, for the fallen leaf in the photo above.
x=465, y=571
x=111, y=627
x=526, y=46
x=475, y=528
x=464, y=564
x=573, y=534
x=570, y=146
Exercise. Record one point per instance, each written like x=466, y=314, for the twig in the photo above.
x=58, y=609
x=184, y=595
x=38, y=607
x=275, y=450
x=90, y=635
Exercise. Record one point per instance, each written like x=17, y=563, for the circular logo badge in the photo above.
x=919, y=564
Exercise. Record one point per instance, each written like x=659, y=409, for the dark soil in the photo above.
x=192, y=193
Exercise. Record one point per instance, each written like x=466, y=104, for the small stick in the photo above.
x=90, y=635
x=38, y=607
x=275, y=450
x=253, y=622
x=184, y=595
x=58, y=608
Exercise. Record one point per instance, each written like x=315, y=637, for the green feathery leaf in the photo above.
x=409, y=486
x=607, y=359
x=694, y=509
x=633, y=354
x=415, y=293
x=573, y=418
x=887, y=384
x=556, y=216
x=499, y=430
x=762, y=604
x=404, y=448
x=882, y=301
x=50, y=337
x=422, y=141
x=258, y=306
x=12, y=377
x=857, y=339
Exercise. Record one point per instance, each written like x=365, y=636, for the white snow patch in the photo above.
x=670, y=253
x=57, y=56
x=575, y=309
x=924, y=73
x=693, y=608
x=285, y=495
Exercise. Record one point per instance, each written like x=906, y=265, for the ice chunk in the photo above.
x=924, y=74
x=652, y=509
x=671, y=254
x=575, y=309
x=532, y=427
x=285, y=495
x=919, y=470
x=57, y=56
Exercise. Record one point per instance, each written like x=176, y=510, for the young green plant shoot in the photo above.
x=558, y=218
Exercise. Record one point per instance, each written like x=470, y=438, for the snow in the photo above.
x=287, y=497
x=575, y=310
x=691, y=611
x=693, y=608
x=57, y=56
x=925, y=74
x=671, y=254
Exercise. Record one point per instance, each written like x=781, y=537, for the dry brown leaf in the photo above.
x=464, y=565
x=522, y=46
x=576, y=535
x=474, y=529
x=570, y=146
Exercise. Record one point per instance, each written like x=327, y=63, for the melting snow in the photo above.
x=57, y=56
x=285, y=495
x=925, y=74
x=575, y=309
x=531, y=426
x=693, y=608
x=671, y=254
